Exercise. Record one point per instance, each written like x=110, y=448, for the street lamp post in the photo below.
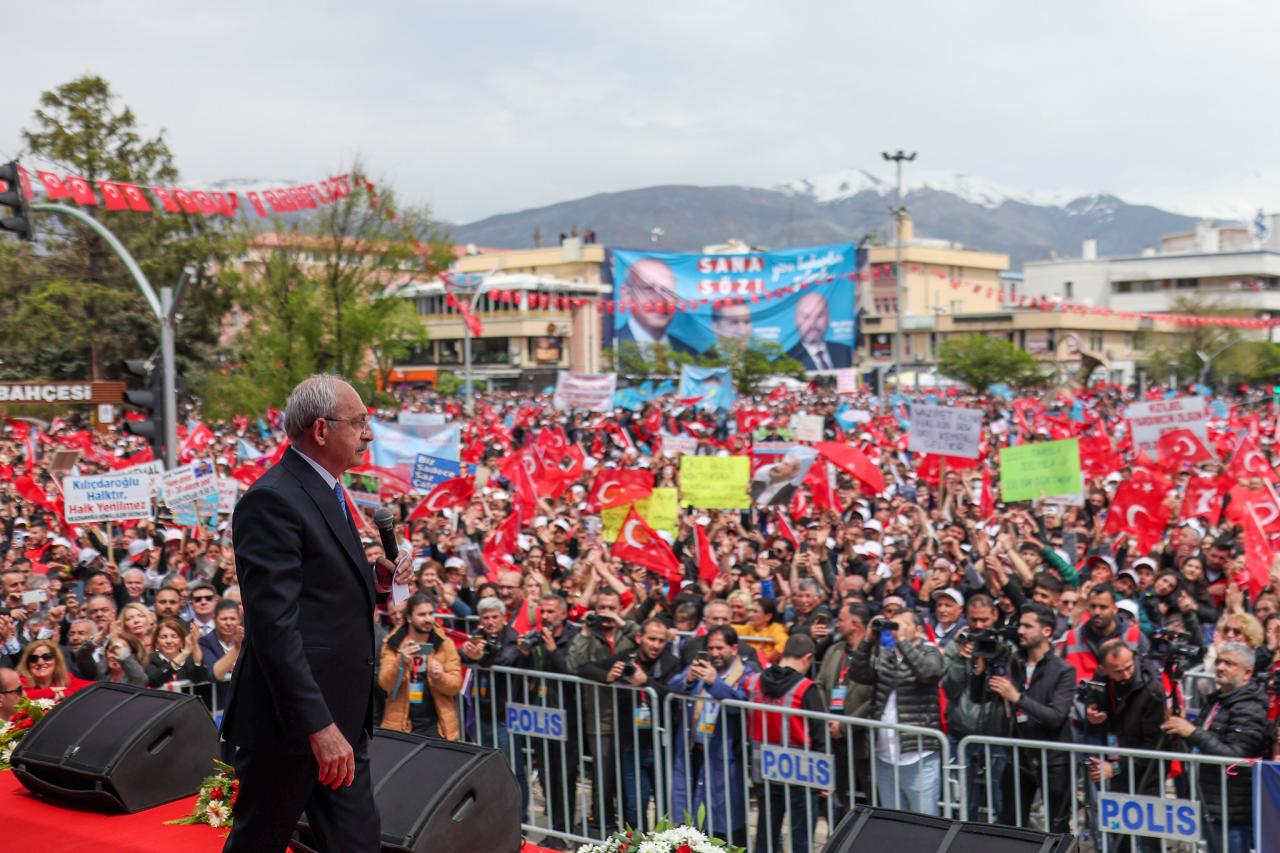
x=162, y=305
x=899, y=295
x=1208, y=358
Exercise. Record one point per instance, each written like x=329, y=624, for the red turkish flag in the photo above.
x=112, y=196
x=24, y=183
x=618, y=487
x=448, y=495
x=785, y=531
x=246, y=474
x=54, y=188
x=167, y=200
x=1098, y=457
x=521, y=469
x=1202, y=499
x=501, y=545
x=708, y=569
x=256, y=201
x=464, y=311
x=80, y=190
x=137, y=201
x=185, y=201
x=1258, y=557
x=1140, y=511
x=1179, y=447
x=285, y=201
x=204, y=202
x=986, y=501
x=853, y=461
x=1249, y=461
x=198, y=441
x=226, y=203
x=1261, y=505
x=638, y=543
x=819, y=483
x=749, y=419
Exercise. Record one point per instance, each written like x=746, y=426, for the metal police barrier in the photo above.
x=793, y=766
x=567, y=731
x=1157, y=800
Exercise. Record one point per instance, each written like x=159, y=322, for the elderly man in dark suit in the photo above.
x=814, y=351
x=300, y=712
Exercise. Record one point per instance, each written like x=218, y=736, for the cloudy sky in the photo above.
x=488, y=107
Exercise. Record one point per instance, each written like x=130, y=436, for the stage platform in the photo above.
x=39, y=824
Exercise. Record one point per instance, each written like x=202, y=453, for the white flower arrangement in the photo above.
x=664, y=838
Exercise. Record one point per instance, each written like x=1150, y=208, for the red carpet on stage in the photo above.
x=47, y=826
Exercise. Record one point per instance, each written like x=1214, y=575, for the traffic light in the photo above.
x=13, y=197
x=151, y=400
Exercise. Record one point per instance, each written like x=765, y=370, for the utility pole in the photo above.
x=899, y=293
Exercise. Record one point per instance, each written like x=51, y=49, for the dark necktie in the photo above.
x=823, y=364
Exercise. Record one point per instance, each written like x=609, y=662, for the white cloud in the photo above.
x=486, y=108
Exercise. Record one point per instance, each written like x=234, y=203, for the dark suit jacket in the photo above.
x=624, y=334
x=308, y=594
x=211, y=652
x=841, y=355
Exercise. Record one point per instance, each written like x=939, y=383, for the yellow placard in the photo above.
x=660, y=510
x=715, y=482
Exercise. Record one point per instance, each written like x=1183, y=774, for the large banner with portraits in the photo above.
x=802, y=299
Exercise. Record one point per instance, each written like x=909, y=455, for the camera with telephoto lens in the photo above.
x=1172, y=646
x=530, y=639
x=1091, y=692
x=991, y=643
x=492, y=647
x=595, y=620
x=629, y=666
x=880, y=623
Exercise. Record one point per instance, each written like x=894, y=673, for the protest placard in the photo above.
x=363, y=488
x=188, y=483
x=228, y=494
x=674, y=444
x=122, y=496
x=421, y=418
x=431, y=471
x=592, y=392
x=1149, y=421
x=715, y=482
x=660, y=510
x=945, y=430
x=201, y=513
x=847, y=380
x=1041, y=469
x=807, y=427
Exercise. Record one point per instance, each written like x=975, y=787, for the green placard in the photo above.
x=715, y=482
x=1044, y=469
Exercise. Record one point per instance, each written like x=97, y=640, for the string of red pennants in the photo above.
x=122, y=195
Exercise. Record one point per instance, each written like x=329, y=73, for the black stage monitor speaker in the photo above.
x=441, y=796
x=119, y=746
x=872, y=830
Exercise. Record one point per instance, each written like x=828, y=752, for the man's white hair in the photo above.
x=312, y=398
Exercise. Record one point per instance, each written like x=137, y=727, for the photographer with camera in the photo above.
x=604, y=634
x=843, y=695
x=904, y=670
x=495, y=645
x=421, y=674
x=972, y=709
x=1233, y=722
x=1129, y=700
x=547, y=650
x=1038, y=691
x=649, y=664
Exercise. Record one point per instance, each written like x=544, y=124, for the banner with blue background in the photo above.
x=782, y=296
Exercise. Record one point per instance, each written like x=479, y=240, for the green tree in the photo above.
x=325, y=299
x=82, y=128
x=754, y=361
x=1230, y=352
x=980, y=361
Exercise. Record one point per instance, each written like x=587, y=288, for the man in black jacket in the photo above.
x=648, y=665
x=301, y=706
x=1038, y=693
x=557, y=761
x=1132, y=710
x=1233, y=723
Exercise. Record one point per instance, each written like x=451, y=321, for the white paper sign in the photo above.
x=1149, y=421
x=592, y=392
x=847, y=380
x=422, y=418
x=228, y=494
x=189, y=483
x=122, y=496
x=945, y=430
x=807, y=427
x=674, y=444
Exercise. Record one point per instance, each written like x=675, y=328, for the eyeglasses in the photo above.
x=361, y=423
x=44, y=656
x=1231, y=631
x=203, y=597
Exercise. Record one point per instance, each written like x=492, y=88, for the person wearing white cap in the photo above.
x=947, y=619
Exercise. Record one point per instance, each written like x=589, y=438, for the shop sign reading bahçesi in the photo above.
x=61, y=392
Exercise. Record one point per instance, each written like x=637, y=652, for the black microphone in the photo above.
x=385, y=521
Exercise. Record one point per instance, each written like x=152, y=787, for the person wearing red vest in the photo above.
x=785, y=686
x=1082, y=643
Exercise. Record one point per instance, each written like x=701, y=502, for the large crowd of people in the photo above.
x=925, y=602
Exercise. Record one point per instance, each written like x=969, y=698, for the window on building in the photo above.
x=490, y=351
x=1068, y=290
x=450, y=352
